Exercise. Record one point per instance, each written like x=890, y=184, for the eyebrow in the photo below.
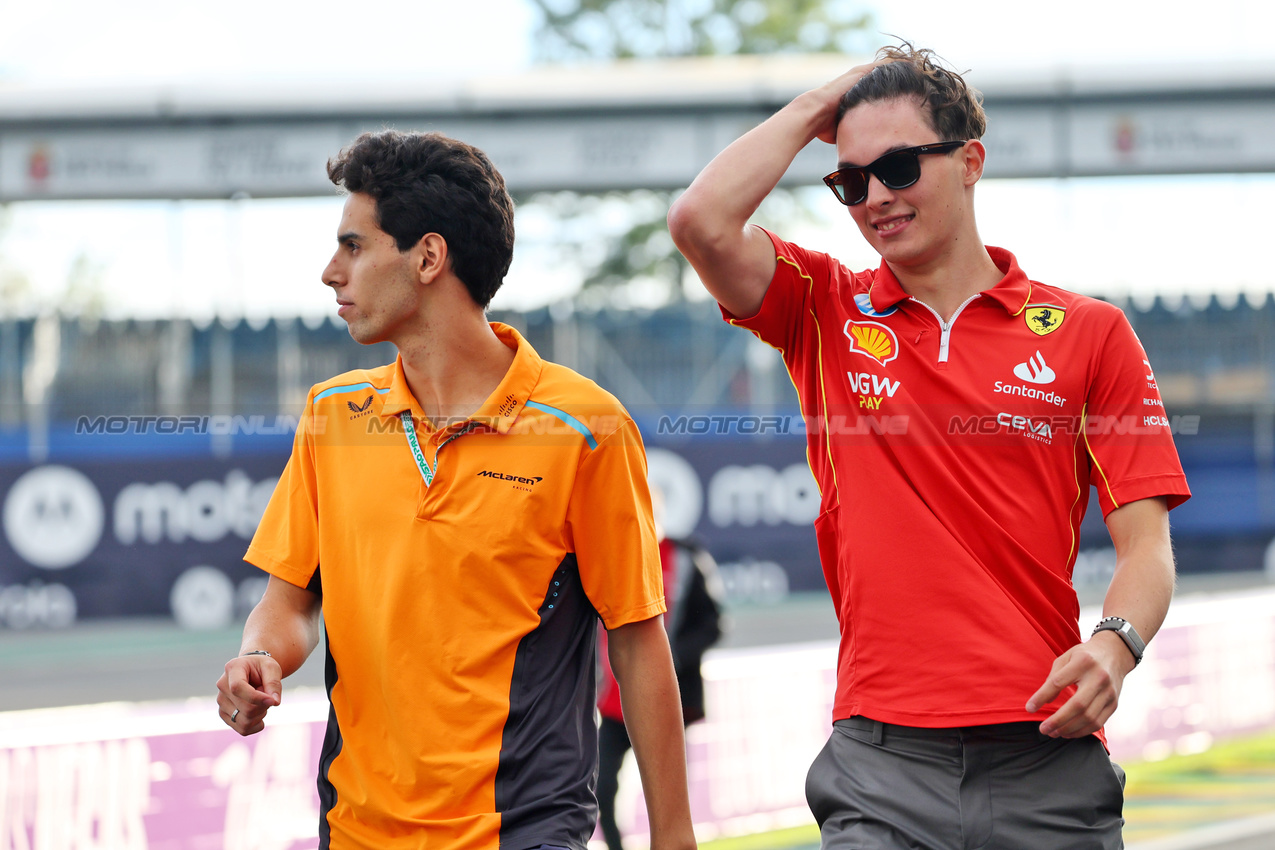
x=841, y=165
x=346, y=238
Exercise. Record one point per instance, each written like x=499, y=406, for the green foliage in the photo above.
x=15, y=288
x=84, y=295
x=621, y=240
x=644, y=251
x=625, y=29
x=642, y=254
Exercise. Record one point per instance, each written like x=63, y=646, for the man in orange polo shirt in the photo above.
x=957, y=414
x=461, y=518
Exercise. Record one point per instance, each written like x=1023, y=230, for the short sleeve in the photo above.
x=613, y=532
x=286, y=543
x=1127, y=432
x=781, y=320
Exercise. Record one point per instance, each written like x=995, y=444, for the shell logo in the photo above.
x=872, y=339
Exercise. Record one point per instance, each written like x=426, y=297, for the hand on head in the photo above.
x=832, y=93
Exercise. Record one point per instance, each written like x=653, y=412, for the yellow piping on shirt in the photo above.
x=1089, y=448
x=1026, y=300
x=823, y=393
x=1074, y=524
x=819, y=354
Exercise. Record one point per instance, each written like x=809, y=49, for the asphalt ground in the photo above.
x=140, y=659
x=152, y=659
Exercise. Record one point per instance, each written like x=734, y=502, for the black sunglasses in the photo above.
x=897, y=170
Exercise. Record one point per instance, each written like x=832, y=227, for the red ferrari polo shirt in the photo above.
x=954, y=461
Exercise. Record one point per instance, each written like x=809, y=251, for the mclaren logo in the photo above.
x=1043, y=319
x=515, y=479
x=872, y=339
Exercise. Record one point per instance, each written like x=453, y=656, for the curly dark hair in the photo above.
x=428, y=183
x=954, y=108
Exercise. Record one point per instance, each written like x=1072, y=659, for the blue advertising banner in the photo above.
x=102, y=534
x=131, y=538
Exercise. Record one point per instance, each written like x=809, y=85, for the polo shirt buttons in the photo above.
x=558, y=584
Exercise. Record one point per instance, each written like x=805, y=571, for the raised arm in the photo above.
x=1139, y=593
x=285, y=624
x=643, y=667
x=709, y=222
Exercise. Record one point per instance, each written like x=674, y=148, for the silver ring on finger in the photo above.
x=233, y=715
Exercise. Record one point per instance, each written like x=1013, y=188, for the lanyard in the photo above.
x=419, y=456
x=412, y=443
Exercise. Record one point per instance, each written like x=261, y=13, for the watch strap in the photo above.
x=1127, y=633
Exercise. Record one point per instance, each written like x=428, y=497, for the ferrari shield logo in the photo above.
x=1044, y=319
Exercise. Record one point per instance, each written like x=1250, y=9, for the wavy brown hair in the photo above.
x=429, y=183
x=954, y=108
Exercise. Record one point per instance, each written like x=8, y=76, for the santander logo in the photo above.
x=1035, y=371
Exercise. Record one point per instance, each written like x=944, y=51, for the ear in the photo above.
x=431, y=257
x=974, y=157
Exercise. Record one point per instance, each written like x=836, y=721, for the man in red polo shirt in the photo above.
x=958, y=413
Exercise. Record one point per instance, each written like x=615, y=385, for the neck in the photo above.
x=453, y=364
x=948, y=281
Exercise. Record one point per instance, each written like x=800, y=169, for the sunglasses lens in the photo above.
x=852, y=187
x=898, y=170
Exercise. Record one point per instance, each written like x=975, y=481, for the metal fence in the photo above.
x=660, y=362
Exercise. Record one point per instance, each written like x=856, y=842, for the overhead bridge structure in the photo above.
x=618, y=126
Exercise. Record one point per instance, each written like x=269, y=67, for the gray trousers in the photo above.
x=876, y=786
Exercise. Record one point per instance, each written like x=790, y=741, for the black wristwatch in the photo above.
x=1127, y=633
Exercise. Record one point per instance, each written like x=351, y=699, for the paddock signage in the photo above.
x=127, y=536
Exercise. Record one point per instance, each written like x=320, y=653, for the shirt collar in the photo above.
x=1012, y=292
x=505, y=403
x=1015, y=289
x=399, y=397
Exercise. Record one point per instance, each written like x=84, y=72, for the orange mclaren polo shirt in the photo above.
x=460, y=613
x=954, y=461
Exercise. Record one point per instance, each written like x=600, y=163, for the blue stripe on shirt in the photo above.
x=567, y=418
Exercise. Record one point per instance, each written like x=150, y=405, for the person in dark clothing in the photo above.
x=692, y=592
